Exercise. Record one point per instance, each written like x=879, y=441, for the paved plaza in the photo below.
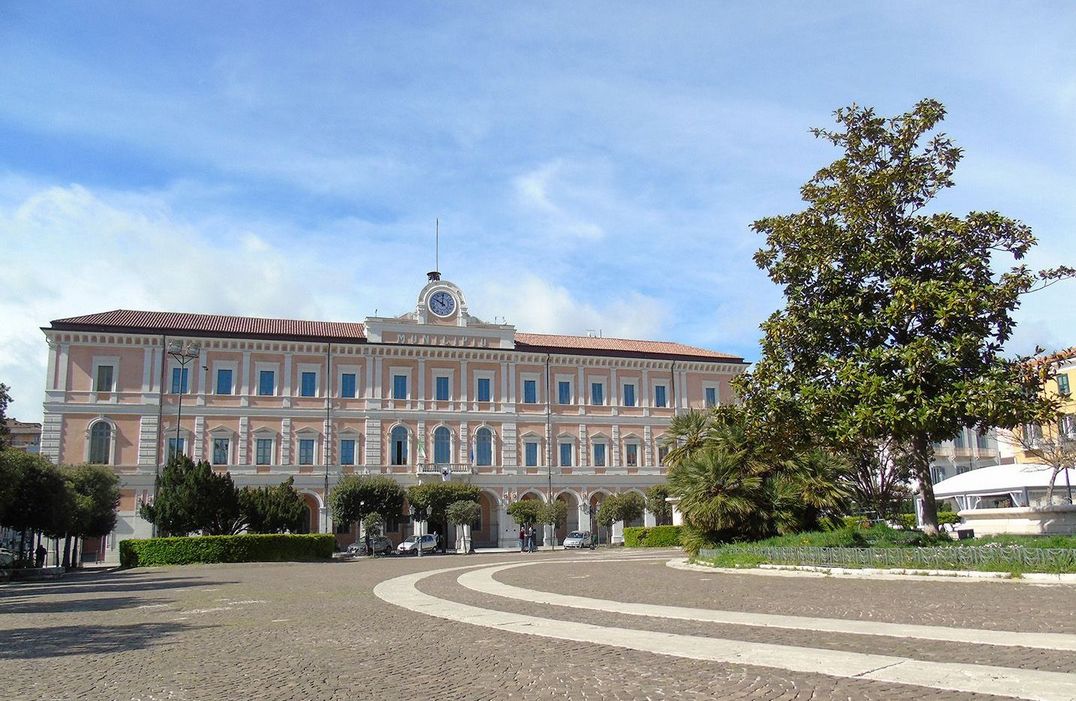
x=583, y=625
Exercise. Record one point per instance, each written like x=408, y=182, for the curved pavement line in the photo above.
x=1001, y=681
x=483, y=581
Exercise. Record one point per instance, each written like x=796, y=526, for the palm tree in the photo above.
x=808, y=487
x=722, y=492
x=686, y=434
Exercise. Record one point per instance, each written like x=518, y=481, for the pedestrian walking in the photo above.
x=522, y=539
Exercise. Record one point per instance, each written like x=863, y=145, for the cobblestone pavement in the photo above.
x=316, y=631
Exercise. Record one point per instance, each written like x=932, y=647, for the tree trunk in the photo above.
x=1050, y=486
x=67, y=552
x=922, y=452
x=22, y=548
x=74, y=552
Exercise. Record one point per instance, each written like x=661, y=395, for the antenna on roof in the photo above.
x=435, y=274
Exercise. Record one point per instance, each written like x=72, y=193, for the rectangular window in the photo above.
x=565, y=454
x=629, y=395
x=958, y=439
x=220, y=451
x=306, y=451
x=564, y=392
x=1063, y=384
x=597, y=393
x=663, y=451
x=483, y=389
x=263, y=451
x=982, y=440
x=104, y=379
x=599, y=455
x=631, y=455
x=347, y=452
x=179, y=380
x=530, y=451
x=441, y=389
x=224, y=381
x=711, y=397
x=399, y=386
x=659, y=396
x=530, y=391
x=176, y=448
x=1068, y=426
x=308, y=384
x=347, y=385
x=266, y=383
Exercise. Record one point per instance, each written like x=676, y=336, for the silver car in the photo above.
x=378, y=543
x=410, y=546
x=578, y=539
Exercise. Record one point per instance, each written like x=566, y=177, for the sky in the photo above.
x=593, y=165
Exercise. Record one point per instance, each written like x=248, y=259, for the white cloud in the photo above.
x=72, y=251
x=536, y=305
x=556, y=193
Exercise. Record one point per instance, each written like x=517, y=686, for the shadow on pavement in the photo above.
x=81, y=586
x=103, y=603
x=61, y=641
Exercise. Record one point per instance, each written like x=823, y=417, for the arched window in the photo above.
x=442, y=445
x=399, y=445
x=100, y=442
x=484, y=447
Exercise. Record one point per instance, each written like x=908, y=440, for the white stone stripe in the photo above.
x=483, y=581
x=1001, y=681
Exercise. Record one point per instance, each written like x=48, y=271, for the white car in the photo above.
x=578, y=539
x=410, y=546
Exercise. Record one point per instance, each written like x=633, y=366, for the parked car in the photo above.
x=411, y=545
x=379, y=544
x=578, y=539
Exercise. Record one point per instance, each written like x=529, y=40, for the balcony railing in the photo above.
x=429, y=468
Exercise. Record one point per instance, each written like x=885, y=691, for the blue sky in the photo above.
x=593, y=165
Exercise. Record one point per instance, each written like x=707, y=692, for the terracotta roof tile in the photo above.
x=126, y=320
x=178, y=322
x=618, y=345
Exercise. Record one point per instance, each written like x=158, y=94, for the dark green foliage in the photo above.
x=95, y=497
x=463, y=512
x=191, y=497
x=357, y=496
x=526, y=512
x=5, y=399
x=555, y=513
x=656, y=504
x=275, y=509
x=653, y=537
x=438, y=496
x=895, y=314
x=38, y=497
x=626, y=506
x=233, y=548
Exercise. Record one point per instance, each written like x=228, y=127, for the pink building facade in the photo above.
x=429, y=395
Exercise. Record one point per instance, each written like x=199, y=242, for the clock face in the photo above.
x=442, y=303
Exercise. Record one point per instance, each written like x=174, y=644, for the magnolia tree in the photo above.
x=895, y=313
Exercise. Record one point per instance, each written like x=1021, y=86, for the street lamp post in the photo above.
x=183, y=353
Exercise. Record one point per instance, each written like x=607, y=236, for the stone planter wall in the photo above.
x=1046, y=520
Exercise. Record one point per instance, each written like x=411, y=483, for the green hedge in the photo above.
x=226, y=548
x=654, y=537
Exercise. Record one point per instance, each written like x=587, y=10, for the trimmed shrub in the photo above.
x=855, y=522
x=226, y=548
x=654, y=537
x=908, y=521
x=947, y=518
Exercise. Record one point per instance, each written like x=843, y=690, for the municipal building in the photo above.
x=432, y=394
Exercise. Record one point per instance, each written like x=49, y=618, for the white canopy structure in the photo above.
x=1001, y=486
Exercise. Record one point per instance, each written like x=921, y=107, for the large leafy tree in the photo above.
x=526, y=512
x=895, y=316
x=356, y=497
x=191, y=497
x=436, y=497
x=39, y=498
x=275, y=509
x=656, y=504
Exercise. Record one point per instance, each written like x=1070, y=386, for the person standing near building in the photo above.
x=522, y=539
